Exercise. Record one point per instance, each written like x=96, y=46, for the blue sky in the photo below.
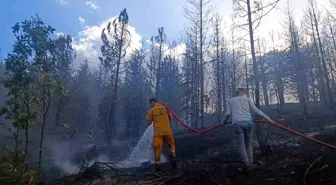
x=84, y=19
x=145, y=15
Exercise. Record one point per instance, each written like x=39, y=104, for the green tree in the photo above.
x=19, y=81
x=116, y=40
x=30, y=77
x=170, y=82
x=64, y=56
x=135, y=95
x=79, y=99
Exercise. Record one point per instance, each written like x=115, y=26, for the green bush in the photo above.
x=14, y=170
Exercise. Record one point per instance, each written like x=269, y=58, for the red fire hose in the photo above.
x=256, y=121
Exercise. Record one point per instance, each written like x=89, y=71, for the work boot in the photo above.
x=158, y=171
x=157, y=168
x=173, y=162
x=245, y=169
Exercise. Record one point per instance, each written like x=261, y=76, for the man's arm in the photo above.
x=227, y=113
x=256, y=110
x=149, y=117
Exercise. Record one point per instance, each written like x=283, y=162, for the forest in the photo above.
x=56, y=117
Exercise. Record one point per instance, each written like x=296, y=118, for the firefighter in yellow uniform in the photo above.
x=162, y=131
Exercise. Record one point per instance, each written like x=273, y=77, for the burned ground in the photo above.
x=211, y=159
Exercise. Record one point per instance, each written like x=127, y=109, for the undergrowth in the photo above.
x=14, y=169
x=309, y=164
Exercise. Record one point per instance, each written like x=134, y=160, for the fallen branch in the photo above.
x=215, y=182
x=30, y=180
x=309, y=168
x=181, y=182
x=320, y=169
x=154, y=181
x=168, y=180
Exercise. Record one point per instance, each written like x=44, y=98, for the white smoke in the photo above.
x=143, y=152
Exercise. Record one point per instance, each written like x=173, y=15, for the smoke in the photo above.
x=69, y=156
x=62, y=153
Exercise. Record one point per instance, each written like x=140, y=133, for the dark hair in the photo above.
x=153, y=100
x=240, y=90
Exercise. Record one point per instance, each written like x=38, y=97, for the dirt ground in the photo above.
x=211, y=159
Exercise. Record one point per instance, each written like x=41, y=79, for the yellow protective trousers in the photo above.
x=158, y=145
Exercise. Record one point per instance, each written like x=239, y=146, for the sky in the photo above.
x=84, y=19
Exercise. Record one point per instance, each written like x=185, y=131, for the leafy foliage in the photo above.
x=13, y=169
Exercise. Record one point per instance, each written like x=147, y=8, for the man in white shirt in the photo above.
x=240, y=108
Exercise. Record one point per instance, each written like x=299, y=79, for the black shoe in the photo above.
x=174, y=164
x=245, y=169
x=159, y=172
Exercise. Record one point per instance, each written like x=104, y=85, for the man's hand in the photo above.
x=225, y=121
x=271, y=121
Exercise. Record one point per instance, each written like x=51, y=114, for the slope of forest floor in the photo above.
x=210, y=159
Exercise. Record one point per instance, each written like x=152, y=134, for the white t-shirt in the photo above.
x=240, y=109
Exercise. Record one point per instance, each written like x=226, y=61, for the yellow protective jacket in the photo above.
x=161, y=118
